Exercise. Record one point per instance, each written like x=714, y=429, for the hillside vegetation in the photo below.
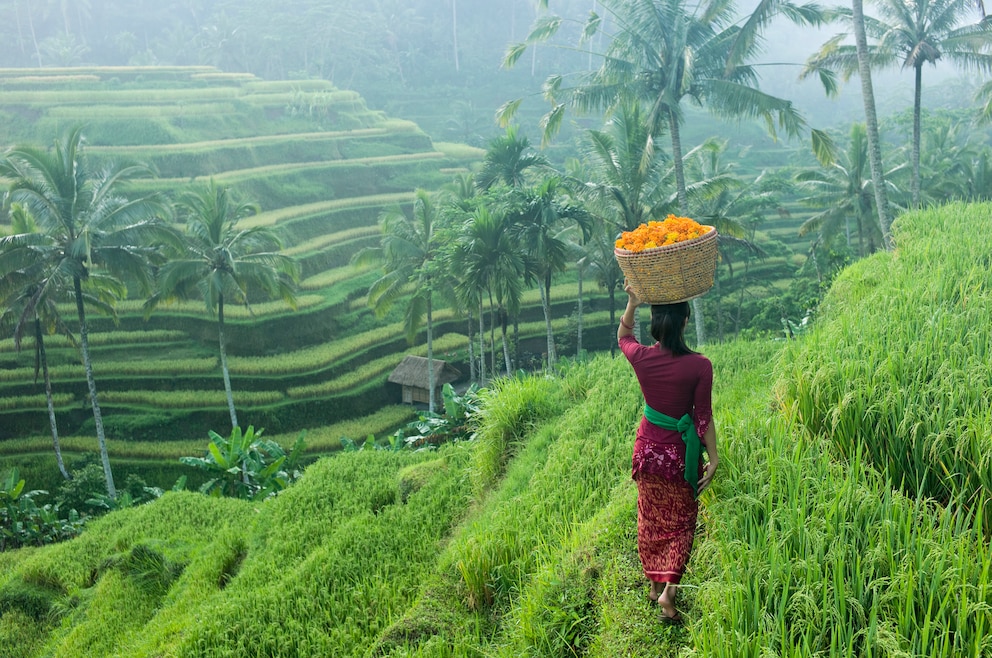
x=521, y=542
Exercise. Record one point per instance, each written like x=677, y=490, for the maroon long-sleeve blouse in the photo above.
x=673, y=385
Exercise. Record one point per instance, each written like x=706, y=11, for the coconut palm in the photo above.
x=604, y=268
x=722, y=199
x=626, y=175
x=913, y=33
x=871, y=120
x=491, y=267
x=30, y=284
x=507, y=160
x=408, y=253
x=223, y=263
x=539, y=216
x=669, y=52
x=93, y=229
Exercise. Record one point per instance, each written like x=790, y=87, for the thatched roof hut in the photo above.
x=412, y=375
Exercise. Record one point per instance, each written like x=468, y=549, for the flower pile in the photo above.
x=661, y=234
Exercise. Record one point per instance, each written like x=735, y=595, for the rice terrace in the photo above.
x=309, y=319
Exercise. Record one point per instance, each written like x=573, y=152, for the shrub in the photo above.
x=245, y=466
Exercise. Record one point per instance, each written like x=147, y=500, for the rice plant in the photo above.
x=897, y=366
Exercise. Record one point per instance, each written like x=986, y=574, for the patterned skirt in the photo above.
x=666, y=526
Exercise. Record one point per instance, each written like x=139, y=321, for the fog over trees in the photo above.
x=392, y=49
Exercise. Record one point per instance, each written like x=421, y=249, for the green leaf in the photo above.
x=551, y=123
x=829, y=81
x=544, y=28
x=514, y=53
x=823, y=147
x=504, y=115
x=219, y=458
x=591, y=27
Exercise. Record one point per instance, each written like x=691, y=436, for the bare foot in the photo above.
x=666, y=601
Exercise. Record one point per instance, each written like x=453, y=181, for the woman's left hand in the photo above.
x=708, y=473
x=633, y=299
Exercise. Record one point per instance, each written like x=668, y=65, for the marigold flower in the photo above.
x=661, y=234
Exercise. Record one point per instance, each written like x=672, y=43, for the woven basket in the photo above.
x=675, y=273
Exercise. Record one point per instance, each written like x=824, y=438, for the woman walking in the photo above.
x=677, y=384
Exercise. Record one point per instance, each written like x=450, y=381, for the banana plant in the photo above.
x=24, y=523
x=246, y=466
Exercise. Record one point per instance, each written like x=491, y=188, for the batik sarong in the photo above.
x=666, y=525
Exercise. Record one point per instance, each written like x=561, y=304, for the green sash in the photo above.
x=693, y=446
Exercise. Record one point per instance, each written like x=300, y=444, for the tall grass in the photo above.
x=146, y=152
x=897, y=367
x=799, y=555
x=99, y=338
x=189, y=399
x=807, y=556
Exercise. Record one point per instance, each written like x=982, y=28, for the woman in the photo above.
x=677, y=385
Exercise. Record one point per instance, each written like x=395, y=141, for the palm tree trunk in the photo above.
x=506, y=344
x=471, y=349
x=34, y=37
x=578, y=338
x=683, y=196
x=546, y=305
x=516, y=339
x=91, y=383
x=492, y=335
x=43, y=360
x=430, y=355
x=915, y=183
x=454, y=31
x=871, y=122
x=613, y=319
x=719, y=308
x=223, y=362
x=482, y=344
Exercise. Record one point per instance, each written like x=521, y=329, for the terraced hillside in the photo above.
x=323, y=167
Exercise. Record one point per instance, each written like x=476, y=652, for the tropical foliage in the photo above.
x=221, y=262
x=243, y=465
x=89, y=231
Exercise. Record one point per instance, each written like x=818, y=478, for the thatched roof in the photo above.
x=413, y=372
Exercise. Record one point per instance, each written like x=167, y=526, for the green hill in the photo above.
x=522, y=541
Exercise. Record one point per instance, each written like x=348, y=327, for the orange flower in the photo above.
x=661, y=234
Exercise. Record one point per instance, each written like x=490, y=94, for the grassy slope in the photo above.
x=522, y=543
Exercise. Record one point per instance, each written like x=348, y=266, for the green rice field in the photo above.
x=847, y=518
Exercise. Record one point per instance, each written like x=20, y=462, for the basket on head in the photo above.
x=670, y=274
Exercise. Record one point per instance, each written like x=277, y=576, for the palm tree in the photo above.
x=93, y=229
x=913, y=33
x=408, y=253
x=30, y=284
x=604, y=267
x=223, y=263
x=626, y=177
x=722, y=199
x=507, y=160
x=871, y=120
x=669, y=52
x=490, y=266
x=538, y=217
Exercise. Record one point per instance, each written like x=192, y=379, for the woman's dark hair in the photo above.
x=668, y=325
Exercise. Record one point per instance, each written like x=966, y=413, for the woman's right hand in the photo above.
x=708, y=472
